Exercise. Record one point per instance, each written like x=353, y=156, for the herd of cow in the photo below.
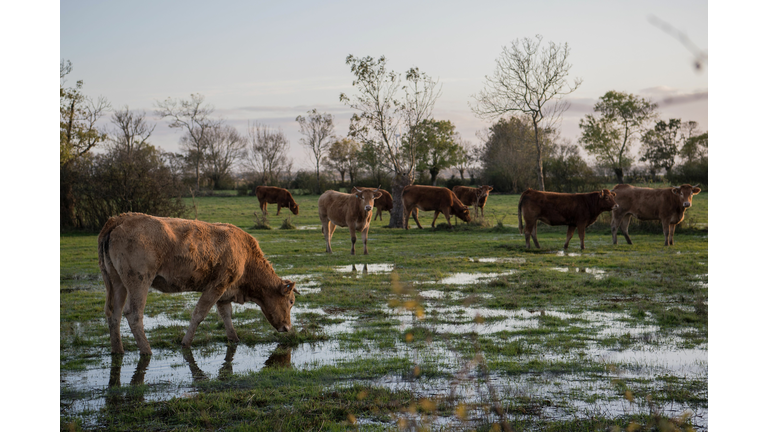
x=225, y=264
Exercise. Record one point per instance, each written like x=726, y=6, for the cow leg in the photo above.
x=328, y=229
x=137, y=300
x=278, y=210
x=672, y=234
x=416, y=217
x=448, y=218
x=582, y=232
x=225, y=312
x=571, y=230
x=624, y=227
x=118, y=294
x=353, y=236
x=437, y=213
x=665, y=227
x=533, y=233
x=209, y=297
x=365, y=240
x=482, y=211
x=263, y=208
x=615, y=221
x=378, y=214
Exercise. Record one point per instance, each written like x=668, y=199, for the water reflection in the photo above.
x=115, y=396
x=280, y=358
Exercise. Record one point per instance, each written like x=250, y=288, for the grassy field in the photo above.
x=435, y=329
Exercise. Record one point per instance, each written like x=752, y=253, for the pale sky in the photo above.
x=272, y=62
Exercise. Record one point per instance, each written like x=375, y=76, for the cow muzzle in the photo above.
x=285, y=328
x=368, y=208
x=615, y=206
x=686, y=204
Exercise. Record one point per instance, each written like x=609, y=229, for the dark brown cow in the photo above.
x=470, y=196
x=433, y=198
x=667, y=205
x=221, y=261
x=347, y=210
x=275, y=195
x=577, y=210
x=382, y=204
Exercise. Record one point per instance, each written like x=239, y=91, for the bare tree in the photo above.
x=130, y=131
x=530, y=79
x=384, y=117
x=318, y=134
x=225, y=147
x=195, y=120
x=267, y=152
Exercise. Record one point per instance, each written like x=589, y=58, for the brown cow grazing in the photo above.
x=382, y=204
x=470, y=196
x=576, y=210
x=433, y=198
x=347, y=210
x=275, y=195
x=667, y=205
x=221, y=261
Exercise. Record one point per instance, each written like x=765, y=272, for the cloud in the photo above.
x=666, y=96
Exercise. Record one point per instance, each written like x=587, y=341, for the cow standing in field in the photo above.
x=382, y=204
x=433, y=198
x=347, y=210
x=221, y=261
x=667, y=205
x=275, y=195
x=470, y=196
x=577, y=210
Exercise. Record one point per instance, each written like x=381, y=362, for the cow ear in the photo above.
x=377, y=195
x=287, y=287
x=490, y=188
x=696, y=190
x=676, y=190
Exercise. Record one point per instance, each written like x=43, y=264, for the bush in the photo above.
x=691, y=172
x=287, y=224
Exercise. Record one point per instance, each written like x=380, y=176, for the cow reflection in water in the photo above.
x=116, y=396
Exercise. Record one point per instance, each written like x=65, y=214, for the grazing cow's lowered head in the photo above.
x=277, y=305
x=607, y=201
x=460, y=210
x=294, y=207
x=365, y=198
x=685, y=193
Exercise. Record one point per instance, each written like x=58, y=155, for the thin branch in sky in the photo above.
x=700, y=56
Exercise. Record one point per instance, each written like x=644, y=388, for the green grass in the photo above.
x=646, y=285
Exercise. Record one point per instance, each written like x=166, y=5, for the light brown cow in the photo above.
x=576, y=210
x=667, y=205
x=433, y=198
x=347, y=210
x=221, y=261
x=275, y=195
x=382, y=204
x=470, y=196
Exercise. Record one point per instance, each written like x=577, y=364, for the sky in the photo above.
x=269, y=63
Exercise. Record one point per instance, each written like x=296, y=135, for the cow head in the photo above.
x=607, y=200
x=294, y=207
x=483, y=191
x=365, y=198
x=685, y=194
x=460, y=210
x=277, y=305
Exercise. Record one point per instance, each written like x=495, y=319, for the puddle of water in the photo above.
x=469, y=278
x=570, y=254
x=305, y=284
x=366, y=268
x=499, y=260
x=597, y=273
x=308, y=227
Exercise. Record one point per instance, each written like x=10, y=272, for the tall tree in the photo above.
x=318, y=134
x=194, y=118
x=225, y=148
x=661, y=145
x=530, y=79
x=609, y=135
x=343, y=156
x=387, y=114
x=436, y=146
x=78, y=134
x=466, y=156
x=695, y=148
x=267, y=152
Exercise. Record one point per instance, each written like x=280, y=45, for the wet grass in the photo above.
x=545, y=321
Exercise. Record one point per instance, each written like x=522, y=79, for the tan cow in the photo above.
x=432, y=198
x=275, y=195
x=667, y=205
x=576, y=210
x=382, y=204
x=470, y=196
x=221, y=261
x=347, y=210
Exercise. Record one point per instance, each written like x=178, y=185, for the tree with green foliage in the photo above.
x=78, y=135
x=386, y=116
x=509, y=154
x=609, y=135
x=343, y=157
x=529, y=79
x=661, y=145
x=436, y=146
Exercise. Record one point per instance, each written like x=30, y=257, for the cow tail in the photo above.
x=111, y=224
x=520, y=212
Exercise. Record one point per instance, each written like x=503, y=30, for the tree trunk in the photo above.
x=401, y=180
x=539, y=163
x=67, y=198
x=433, y=173
x=461, y=173
x=619, y=174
